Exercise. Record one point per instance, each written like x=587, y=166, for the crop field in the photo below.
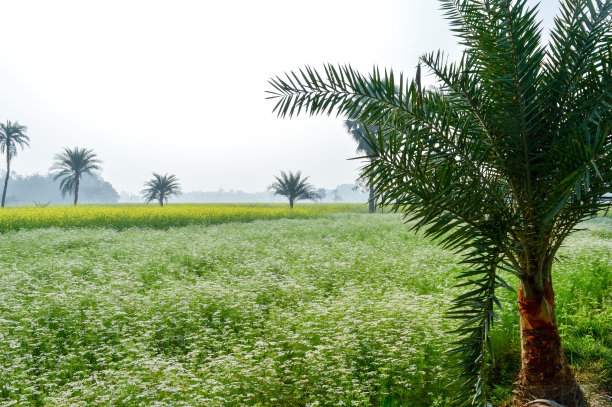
x=345, y=309
x=153, y=216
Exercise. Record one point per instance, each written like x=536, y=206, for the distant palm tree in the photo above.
x=70, y=165
x=160, y=188
x=294, y=187
x=359, y=132
x=11, y=136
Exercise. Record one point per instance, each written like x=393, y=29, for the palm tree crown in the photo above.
x=501, y=161
x=70, y=165
x=361, y=133
x=11, y=136
x=160, y=188
x=294, y=187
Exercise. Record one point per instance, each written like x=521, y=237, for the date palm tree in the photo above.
x=11, y=136
x=160, y=188
x=294, y=187
x=70, y=165
x=501, y=161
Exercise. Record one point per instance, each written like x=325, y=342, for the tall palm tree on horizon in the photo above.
x=500, y=162
x=160, y=188
x=360, y=134
x=70, y=165
x=11, y=136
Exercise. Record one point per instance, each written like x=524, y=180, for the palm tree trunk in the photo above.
x=76, y=192
x=545, y=372
x=8, y=171
x=291, y=203
x=372, y=204
x=161, y=201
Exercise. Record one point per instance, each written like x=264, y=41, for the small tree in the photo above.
x=11, y=136
x=294, y=187
x=160, y=188
x=70, y=165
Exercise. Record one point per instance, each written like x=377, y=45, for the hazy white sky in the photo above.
x=179, y=86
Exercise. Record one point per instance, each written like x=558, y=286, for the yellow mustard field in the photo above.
x=152, y=216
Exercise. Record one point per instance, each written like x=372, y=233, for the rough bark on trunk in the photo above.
x=8, y=171
x=545, y=372
x=76, y=192
x=372, y=207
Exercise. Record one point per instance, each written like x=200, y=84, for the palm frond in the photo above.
x=11, y=136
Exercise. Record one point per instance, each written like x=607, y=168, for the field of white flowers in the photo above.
x=345, y=310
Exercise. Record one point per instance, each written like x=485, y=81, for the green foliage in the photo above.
x=25, y=189
x=294, y=187
x=256, y=314
x=360, y=134
x=70, y=165
x=12, y=135
x=160, y=188
x=501, y=161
